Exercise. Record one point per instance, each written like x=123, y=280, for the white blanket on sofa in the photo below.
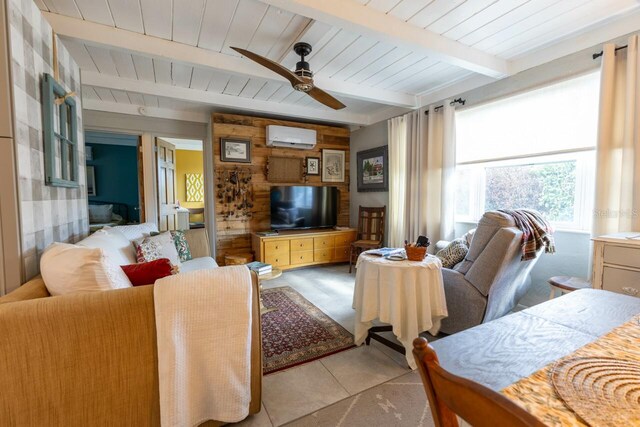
x=203, y=325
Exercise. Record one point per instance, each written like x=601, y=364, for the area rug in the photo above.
x=296, y=331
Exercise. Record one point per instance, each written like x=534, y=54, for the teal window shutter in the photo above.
x=60, y=135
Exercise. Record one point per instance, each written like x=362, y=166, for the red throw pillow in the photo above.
x=146, y=273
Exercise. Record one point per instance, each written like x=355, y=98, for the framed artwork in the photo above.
x=195, y=187
x=235, y=150
x=373, y=169
x=91, y=181
x=313, y=165
x=333, y=166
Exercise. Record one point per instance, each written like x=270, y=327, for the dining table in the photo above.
x=517, y=354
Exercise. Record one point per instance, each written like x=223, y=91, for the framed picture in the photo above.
x=91, y=181
x=373, y=169
x=313, y=165
x=235, y=150
x=333, y=166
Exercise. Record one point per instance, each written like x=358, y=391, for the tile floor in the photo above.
x=302, y=390
x=287, y=395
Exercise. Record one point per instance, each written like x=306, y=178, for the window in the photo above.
x=60, y=135
x=533, y=150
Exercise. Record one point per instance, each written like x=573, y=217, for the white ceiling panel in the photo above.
x=482, y=18
x=124, y=64
x=460, y=14
x=235, y=85
x=252, y=87
x=181, y=74
x=64, y=7
x=126, y=15
x=218, y=82
x=144, y=68
x=136, y=98
x=187, y=21
x=380, y=65
x=162, y=71
x=103, y=60
x=95, y=11
x=105, y=94
x=394, y=68
x=364, y=60
x=247, y=18
x=346, y=57
x=150, y=100
x=406, y=9
x=434, y=11
x=80, y=54
x=216, y=21
x=200, y=78
x=282, y=92
x=120, y=96
x=157, y=18
x=268, y=90
x=407, y=73
x=269, y=31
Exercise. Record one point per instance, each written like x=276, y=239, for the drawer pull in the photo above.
x=630, y=291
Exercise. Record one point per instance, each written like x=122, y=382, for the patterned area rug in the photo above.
x=297, y=331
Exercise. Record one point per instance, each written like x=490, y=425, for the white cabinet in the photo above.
x=616, y=263
x=183, y=219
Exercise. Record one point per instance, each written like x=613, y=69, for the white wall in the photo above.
x=363, y=139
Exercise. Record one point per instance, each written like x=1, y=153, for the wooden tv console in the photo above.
x=300, y=248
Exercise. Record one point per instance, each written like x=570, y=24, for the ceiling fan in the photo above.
x=301, y=79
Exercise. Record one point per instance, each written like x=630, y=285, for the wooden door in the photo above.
x=167, y=206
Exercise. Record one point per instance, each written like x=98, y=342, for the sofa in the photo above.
x=91, y=358
x=491, y=279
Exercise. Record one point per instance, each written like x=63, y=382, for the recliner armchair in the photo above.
x=491, y=279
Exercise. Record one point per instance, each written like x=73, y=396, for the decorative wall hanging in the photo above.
x=234, y=194
x=373, y=169
x=60, y=122
x=333, y=165
x=285, y=169
x=195, y=187
x=235, y=150
x=313, y=165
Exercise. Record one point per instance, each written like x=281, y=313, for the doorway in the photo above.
x=114, y=188
x=181, y=194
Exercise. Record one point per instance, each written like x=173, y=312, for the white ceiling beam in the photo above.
x=141, y=110
x=369, y=22
x=92, y=78
x=103, y=35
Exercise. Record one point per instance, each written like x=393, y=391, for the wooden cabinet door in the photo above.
x=167, y=206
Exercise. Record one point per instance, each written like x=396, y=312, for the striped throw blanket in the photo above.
x=536, y=232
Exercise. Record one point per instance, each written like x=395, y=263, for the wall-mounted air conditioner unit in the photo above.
x=289, y=137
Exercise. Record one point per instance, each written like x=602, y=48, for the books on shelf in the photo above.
x=260, y=267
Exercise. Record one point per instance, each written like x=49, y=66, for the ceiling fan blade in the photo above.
x=273, y=66
x=323, y=97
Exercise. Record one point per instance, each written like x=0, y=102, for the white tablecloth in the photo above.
x=409, y=295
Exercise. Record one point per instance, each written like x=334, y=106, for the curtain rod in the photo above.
x=455, y=101
x=599, y=54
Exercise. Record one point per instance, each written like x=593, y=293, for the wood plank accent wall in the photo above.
x=234, y=235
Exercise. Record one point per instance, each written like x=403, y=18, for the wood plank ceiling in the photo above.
x=371, y=72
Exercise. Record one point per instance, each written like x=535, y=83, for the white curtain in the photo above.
x=617, y=205
x=422, y=166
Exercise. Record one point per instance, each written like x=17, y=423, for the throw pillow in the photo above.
x=70, y=268
x=453, y=253
x=114, y=243
x=137, y=231
x=100, y=214
x=162, y=246
x=147, y=273
x=182, y=246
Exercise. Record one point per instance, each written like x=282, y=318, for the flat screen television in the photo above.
x=297, y=207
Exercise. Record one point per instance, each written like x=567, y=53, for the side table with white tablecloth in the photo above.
x=409, y=295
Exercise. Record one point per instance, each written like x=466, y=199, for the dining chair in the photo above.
x=449, y=395
x=370, y=233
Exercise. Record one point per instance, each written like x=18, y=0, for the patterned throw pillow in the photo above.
x=148, y=250
x=453, y=253
x=182, y=246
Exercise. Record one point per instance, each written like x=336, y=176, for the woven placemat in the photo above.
x=603, y=391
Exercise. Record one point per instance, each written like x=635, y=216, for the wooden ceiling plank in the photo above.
x=105, y=94
x=281, y=93
x=120, y=96
x=289, y=36
x=395, y=68
x=127, y=15
x=144, y=68
x=235, y=85
x=359, y=47
x=246, y=20
x=406, y=9
x=379, y=65
x=103, y=60
x=269, y=31
x=339, y=45
x=410, y=71
x=252, y=87
x=181, y=74
x=136, y=98
x=89, y=92
x=383, y=6
x=368, y=22
x=162, y=71
x=150, y=100
x=64, y=7
x=95, y=11
x=200, y=78
x=363, y=61
x=216, y=22
x=187, y=20
x=267, y=90
x=482, y=18
x=157, y=18
x=460, y=14
x=433, y=12
x=124, y=64
x=218, y=82
x=79, y=53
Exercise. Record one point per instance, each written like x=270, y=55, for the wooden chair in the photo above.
x=449, y=395
x=370, y=231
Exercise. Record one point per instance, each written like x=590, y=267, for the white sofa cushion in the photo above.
x=114, y=243
x=203, y=263
x=70, y=268
x=137, y=231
